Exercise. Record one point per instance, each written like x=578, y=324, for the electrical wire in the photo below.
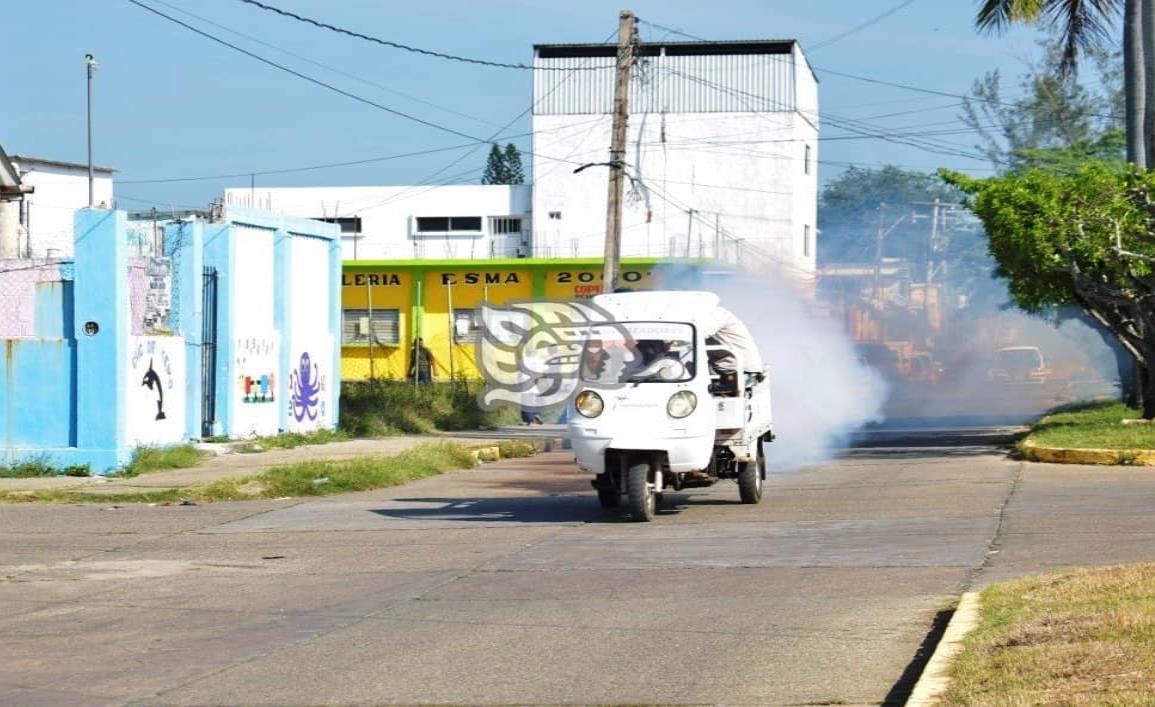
x=306, y=77
x=398, y=45
x=327, y=67
x=893, y=84
x=858, y=28
x=290, y=170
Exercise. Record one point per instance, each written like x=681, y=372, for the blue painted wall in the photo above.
x=63, y=394
x=37, y=396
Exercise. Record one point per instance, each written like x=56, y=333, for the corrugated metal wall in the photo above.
x=707, y=83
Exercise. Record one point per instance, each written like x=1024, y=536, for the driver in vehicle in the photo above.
x=658, y=360
x=729, y=331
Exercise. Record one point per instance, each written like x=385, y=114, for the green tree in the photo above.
x=1082, y=239
x=515, y=173
x=1084, y=25
x=855, y=205
x=1054, y=111
x=496, y=171
x=503, y=166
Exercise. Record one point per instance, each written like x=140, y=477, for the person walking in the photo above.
x=420, y=363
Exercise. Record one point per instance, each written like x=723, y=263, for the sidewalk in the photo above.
x=236, y=464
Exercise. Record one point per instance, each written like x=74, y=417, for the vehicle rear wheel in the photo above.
x=609, y=498
x=750, y=477
x=642, y=499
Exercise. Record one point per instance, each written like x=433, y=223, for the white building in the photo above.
x=58, y=190
x=721, y=158
x=401, y=222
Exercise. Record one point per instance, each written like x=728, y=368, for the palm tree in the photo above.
x=1084, y=24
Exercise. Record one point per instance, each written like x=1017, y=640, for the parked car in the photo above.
x=921, y=367
x=1020, y=364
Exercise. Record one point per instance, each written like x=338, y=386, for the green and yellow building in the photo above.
x=388, y=304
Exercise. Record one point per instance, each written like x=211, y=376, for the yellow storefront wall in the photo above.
x=585, y=282
x=420, y=292
x=467, y=289
x=377, y=290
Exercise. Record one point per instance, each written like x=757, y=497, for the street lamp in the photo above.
x=90, y=66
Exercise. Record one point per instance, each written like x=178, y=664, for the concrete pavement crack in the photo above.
x=995, y=543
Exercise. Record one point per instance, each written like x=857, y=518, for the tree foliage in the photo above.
x=853, y=206
x=1082, y=238
x=1056, y=121
x=503, y=166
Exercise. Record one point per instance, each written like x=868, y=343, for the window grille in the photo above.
x=381, y=327
x=466, y=326
x=505, y=225
x=441, y=225
x=350, y=225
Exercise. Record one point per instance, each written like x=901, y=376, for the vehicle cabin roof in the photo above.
x=661, y=306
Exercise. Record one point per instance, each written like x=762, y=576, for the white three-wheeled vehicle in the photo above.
x=672, y=395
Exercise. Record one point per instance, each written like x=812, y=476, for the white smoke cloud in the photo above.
x=821, y=392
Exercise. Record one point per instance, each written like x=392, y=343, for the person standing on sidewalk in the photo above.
x=420, y=363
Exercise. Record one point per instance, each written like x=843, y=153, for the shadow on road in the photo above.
x=900, y=691
x=506, y=509
x=922, y=452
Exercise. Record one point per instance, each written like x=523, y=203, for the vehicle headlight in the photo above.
x=682, y=404
x=589, y=403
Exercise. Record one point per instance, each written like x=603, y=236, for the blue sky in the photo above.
x=170, y=103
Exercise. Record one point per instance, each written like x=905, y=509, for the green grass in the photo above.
x=385, y=408
x=314, y=478
x=511, y=449
x=40, y=466
x=291, y=440
x=1074, y=637
x=1092, y=426
x=146, y=459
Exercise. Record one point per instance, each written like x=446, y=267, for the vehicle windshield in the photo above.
x=639, y=352
x=1020, y=359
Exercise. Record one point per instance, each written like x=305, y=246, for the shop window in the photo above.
x=505, y=224
x=447, y=225
x=380, y=327
x=350, y=225
x=466, y=326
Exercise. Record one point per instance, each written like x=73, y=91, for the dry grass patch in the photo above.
x=1080, y=637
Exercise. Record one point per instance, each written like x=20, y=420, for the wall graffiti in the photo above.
x=156, y=393
x=256, y=365
x=306, y=384
x=152, y=381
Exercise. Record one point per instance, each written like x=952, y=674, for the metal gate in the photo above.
x=209, y=354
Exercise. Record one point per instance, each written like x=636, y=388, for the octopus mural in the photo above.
x=306, y=385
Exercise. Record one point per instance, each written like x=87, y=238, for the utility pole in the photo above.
x=627, y=30
x=90, y=66
x=689, y=230
x=878, y=252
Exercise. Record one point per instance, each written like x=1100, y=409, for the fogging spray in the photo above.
x=822, y=392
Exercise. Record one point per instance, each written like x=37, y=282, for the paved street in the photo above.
x=506, y=584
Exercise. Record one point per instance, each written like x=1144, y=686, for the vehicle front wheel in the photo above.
x=643, y=500
x=750, y=477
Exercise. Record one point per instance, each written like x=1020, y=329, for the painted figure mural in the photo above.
x=306, y=384
x=152, y=382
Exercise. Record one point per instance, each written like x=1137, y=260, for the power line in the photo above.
x=327, y=67
x=290, y=170
x=305, y=77
x=858, y=28
x=879, y=82
x=398, y=45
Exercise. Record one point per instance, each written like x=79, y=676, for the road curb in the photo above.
x=1101, y=457
x=935, y=678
